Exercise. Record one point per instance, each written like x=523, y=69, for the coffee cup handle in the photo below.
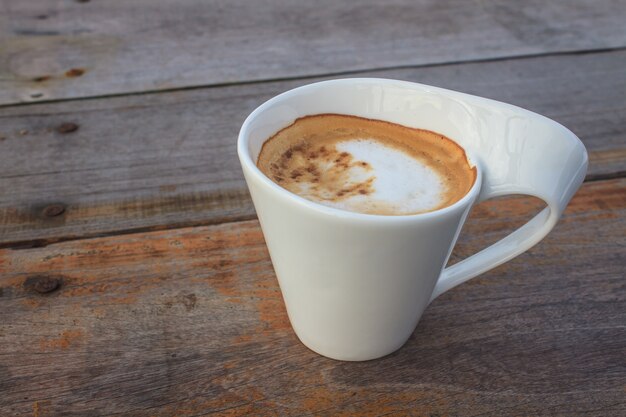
x=554, y=174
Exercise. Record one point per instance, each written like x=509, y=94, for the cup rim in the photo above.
x=247, y=162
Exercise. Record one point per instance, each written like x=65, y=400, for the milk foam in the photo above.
x=367, y=166
x=402, y=183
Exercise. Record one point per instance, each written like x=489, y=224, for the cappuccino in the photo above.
x=367, y=166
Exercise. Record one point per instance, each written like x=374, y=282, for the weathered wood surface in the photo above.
x=168, y=159
x=191, y=322
x=68, y=49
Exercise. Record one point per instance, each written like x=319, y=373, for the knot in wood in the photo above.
x=53, y=210
x=67, y=128
x=42, y=284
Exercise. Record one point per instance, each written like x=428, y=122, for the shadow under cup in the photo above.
x=355, y=285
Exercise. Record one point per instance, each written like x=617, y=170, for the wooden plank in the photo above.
x=191, y=322
x=164, y=160
x=69, y=49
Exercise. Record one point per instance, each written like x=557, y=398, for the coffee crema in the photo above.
x=367, y=166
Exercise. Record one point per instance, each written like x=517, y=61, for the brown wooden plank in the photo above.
x=68, y=49
x=169, y=159
x=191, y=321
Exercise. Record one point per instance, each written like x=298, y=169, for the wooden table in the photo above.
x=134, y=279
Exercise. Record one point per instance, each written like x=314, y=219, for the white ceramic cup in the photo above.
x=355, y=285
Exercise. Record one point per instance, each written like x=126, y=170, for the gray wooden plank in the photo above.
x=189, y=322
x=67, y=49
x=168, y=159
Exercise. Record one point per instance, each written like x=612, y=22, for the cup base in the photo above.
x=351, y=355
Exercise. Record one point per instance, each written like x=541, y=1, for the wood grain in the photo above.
x=69, y=49
x=191, y=322
x=165, y=160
